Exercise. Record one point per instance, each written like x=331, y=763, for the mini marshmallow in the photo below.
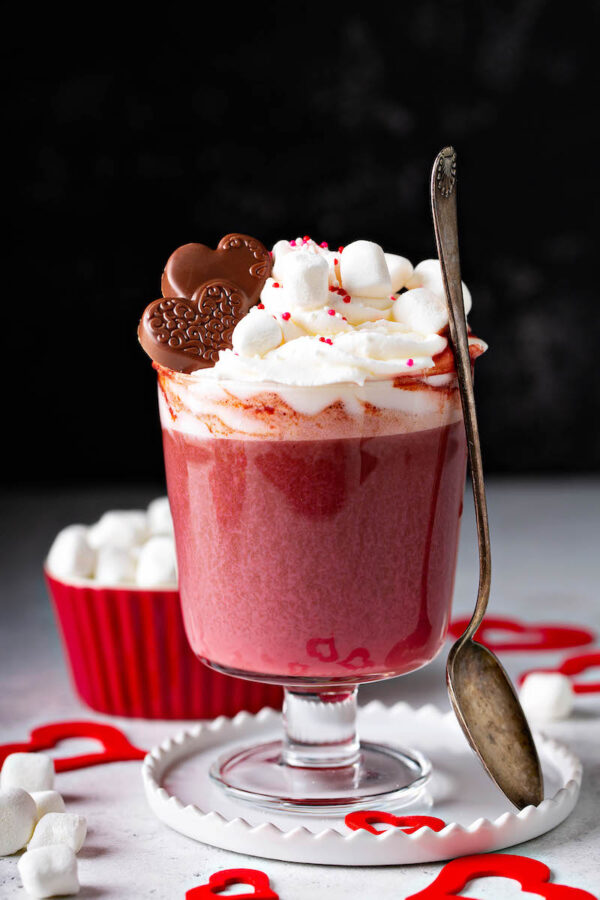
x=17, y=819
x=256, y=334
x=59, y=828
x=157, y=564
x=47, y=802
x=400, y=270
x=121, y=528
x=115, y=565
x=428, y=274
x=49, y=871
x=305, y=279
x=421, y=310
x=30, y=771
x=71, y=555
x=158, y=516
x=547, y=695
x=364, y=271
x=280, y=250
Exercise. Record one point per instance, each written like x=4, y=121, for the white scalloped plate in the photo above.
x=479, y=817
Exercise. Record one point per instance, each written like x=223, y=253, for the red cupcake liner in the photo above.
x=129, y=656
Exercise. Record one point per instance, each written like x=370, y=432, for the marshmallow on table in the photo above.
x=30, y=771
x=115, y=565
x=71, y=554
x=17, y=819
x=364, y=271
x=47, y=802
x=305, y=279
x=421, y=310
x=158, y=516
x=157, y=564
x=546, y=695
x=49, y=871
x=400, y=270
x=120, y=528
x=257, y=333
x=428, y=274
x=59, y=828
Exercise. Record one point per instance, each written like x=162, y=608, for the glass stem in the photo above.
x=320, y=729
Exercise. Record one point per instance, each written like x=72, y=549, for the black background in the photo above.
x=128, y=139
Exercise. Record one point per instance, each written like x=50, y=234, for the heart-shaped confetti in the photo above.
x=367, y=819
x=116, y=747
x=532, y=636
x=574, y=665
x=186, y=335
x=238, y=258
x=533, y=876
x=220, y=880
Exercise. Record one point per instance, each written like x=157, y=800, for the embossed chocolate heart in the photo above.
x=238, y=258
x=116, y=747
x=187, y=334
x=533, y=877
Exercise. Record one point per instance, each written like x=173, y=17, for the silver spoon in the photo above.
x=481, y=693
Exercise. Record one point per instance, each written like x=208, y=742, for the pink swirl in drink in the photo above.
x=316, y=473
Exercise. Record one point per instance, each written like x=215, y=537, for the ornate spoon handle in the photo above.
x=443, y=202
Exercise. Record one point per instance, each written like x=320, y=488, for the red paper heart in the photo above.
x=573, y=665
x=322, y=648
x=254, y=877
x=366, y=819
x=537, y=636
x=357, y=659
x=238, y=258
x=533, y=876
x=116, y=747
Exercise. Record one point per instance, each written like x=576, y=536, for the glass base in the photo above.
x=380, y=777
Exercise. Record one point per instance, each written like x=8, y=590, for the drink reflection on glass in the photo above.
x=316, y=524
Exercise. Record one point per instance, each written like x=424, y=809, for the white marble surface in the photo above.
x=546, y=567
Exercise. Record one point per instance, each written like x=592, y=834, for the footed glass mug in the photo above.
x=316, y=532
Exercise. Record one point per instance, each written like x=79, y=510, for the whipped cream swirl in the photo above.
x=328, y=317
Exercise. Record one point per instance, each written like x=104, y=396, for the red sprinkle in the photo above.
x=292, y=243
x=336, y=262
x=322, y=339
x=340, y=249
x=410, y=362
x=333, y=288
x=346, y=298
x=306, y=238
x=331, y=312
x=276, y=284
x=260, y=305
x=324, y=244
x=328, y=341
x=285, y=316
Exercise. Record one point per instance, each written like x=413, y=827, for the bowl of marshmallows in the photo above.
x=114, y=589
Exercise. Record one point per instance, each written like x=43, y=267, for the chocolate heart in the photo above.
x=238, y=258
x=186, y=335
x=574, y=665
x=366, y=819
x=252, y=877
x=533, y=876
x=536, y=636
x=116, y=747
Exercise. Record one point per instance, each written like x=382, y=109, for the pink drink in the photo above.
x=315, y=545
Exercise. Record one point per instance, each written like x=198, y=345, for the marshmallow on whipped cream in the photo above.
x=328, y=317
x=125, y=547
